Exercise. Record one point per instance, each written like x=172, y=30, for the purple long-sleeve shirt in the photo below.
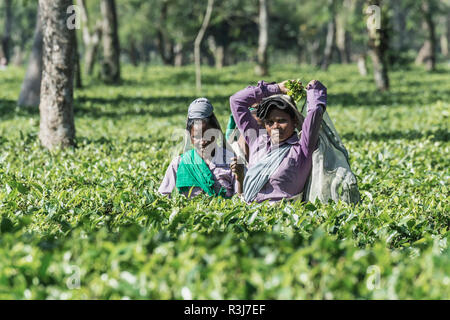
x=290, y=178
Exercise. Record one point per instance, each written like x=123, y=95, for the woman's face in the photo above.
x=279, y=125
x=202, y=136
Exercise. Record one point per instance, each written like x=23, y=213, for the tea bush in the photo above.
x=88, y=223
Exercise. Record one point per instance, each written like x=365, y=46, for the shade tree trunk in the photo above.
x=218, y=52
x=77, y=66
x=6, y=39
x=445, y=36
x=427, y=54
x=342, y=34
x=313, y=52
x=197, y=43
x=401, y=36
x=91, y=38
x=111, y=45
x=133, y=53
x=362, y=66
x=178, y=52
x=31, y=85
x=57, y=128
x=377, y=48
x=262, y=66
x=331, y=37
x=163, y=41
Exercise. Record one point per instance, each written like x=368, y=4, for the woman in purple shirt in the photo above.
x=280, y=161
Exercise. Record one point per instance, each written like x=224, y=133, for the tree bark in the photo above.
x=133, y=53
x=302, y=48
x=427, y=54
x=178, y=55
x=6, y=40
x=301, y=54
x=144, y=52
x=342, y=35
x=17, y=56
x=313, y=48
x=262, y=67
x=165, y=45
x=77, y=66
x=197, y=43
x=57, y=128
x=31, y=86
x=219, y=57
x=378, y=45
x=111, y=46
x=218, y=52
x=445, y=36
x=399, y=27
x=91, y=39
x=362, y=67
x=342, y=41
x=90, y=55
x=331, y=37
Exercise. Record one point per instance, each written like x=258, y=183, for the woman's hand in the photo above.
x=316, y=94
x=282, y=86
x=236, y=168
x=315, y=84
x=238, y=171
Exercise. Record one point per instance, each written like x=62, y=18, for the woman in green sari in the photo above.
x=207, y=167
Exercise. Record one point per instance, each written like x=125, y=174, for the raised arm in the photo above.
x=317, y=101
x=244, y=99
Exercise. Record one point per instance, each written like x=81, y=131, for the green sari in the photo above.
x=194, y=172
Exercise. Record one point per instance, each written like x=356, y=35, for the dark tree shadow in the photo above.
x=120, y=106
x=103, y=140
x=377, y=99
x=440, y=134
x=9, y=109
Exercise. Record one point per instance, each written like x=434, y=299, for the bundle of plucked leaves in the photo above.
x=296, y=90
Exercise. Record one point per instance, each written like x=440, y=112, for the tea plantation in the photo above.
x=88, y=223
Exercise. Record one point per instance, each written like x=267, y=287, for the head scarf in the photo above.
x=200, y=108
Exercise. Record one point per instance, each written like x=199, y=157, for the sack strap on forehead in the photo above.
x=283, y=102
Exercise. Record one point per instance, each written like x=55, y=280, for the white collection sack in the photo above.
x=331, y=176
